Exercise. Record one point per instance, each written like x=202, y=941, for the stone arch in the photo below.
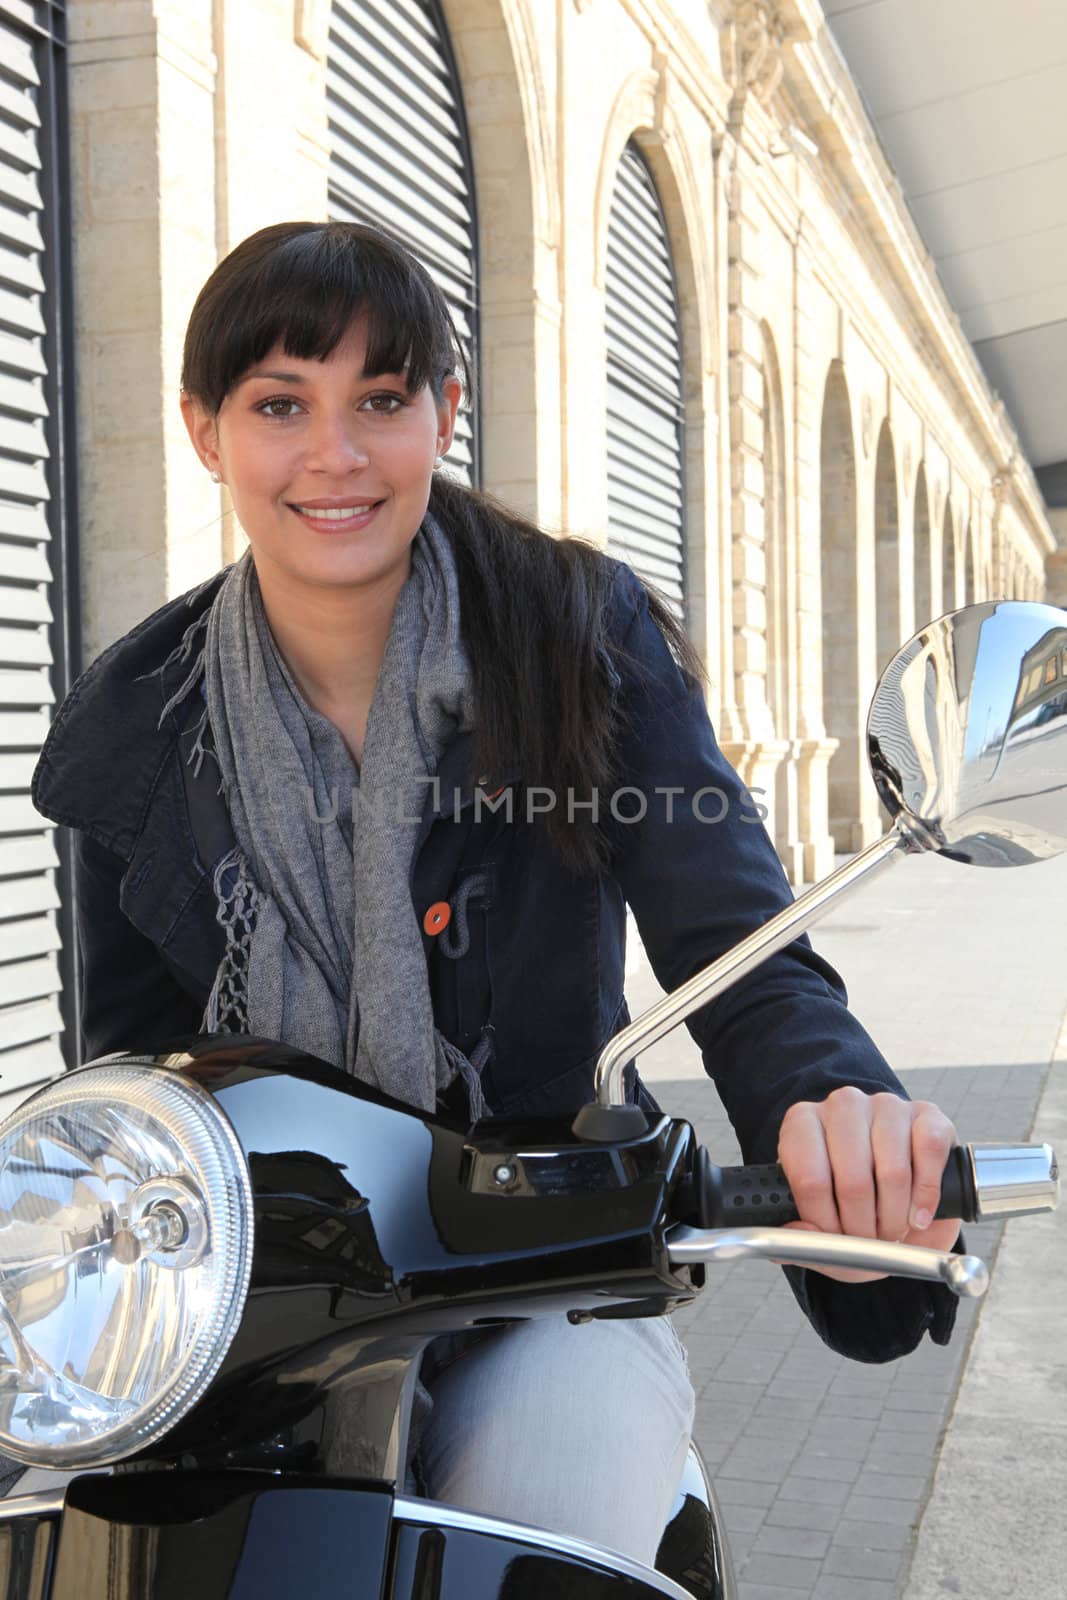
x=886, y=548
x=842, y=712
x=949, y=597
x=646, y=116
x=643, y=115
x=645, y=408
x=921, y=551
x=514, y=163
x=495, y=41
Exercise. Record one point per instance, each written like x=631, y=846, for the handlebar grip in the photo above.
x=743, y=1197
x=980, y=1182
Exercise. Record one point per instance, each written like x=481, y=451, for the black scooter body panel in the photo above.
x=256, y=1536
x=27, y=1547
x=233, y=1536
x=454, y=1563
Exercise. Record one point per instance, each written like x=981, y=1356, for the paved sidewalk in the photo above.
x=825, y=1467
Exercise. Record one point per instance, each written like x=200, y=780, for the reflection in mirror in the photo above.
x=967, y=735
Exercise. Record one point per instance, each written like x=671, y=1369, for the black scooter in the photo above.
x=220, y=1267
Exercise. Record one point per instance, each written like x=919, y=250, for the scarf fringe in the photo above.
x=235, y=911
x=181, y=653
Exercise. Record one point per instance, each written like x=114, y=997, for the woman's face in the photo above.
x=297, y=437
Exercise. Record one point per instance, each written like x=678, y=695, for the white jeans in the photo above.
x=581, y=1429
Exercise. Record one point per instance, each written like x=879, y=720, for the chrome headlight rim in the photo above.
x=143, y=1083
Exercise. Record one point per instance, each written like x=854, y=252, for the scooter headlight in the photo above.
x=125, y=1253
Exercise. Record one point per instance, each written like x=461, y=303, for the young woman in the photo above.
x=280, y=785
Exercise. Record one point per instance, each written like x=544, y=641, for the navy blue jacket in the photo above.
x=541, y=979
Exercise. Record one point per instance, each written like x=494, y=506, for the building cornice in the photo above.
x=692, y=68
x=817, y=79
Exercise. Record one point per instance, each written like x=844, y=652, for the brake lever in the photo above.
x=966, y=1276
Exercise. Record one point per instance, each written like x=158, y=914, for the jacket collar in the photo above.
x=105, y=753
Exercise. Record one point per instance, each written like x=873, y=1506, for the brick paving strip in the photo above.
x=823, y=1465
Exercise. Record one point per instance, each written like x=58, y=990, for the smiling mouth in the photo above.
x=337, y=513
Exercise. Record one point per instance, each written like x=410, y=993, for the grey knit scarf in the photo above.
x=323, y=946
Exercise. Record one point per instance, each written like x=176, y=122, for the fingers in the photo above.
x=932, y=1137
x=848, y=1122
x=868, y=1165
x=805, y=1160
x=891, y=1126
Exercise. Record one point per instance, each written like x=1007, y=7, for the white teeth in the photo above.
x=340, y=514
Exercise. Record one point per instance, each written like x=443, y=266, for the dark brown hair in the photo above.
x=533, y=607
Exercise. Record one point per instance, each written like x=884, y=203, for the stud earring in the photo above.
x=439, y=461
x=216, y=477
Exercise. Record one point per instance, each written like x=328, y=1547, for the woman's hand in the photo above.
x=869, y=1165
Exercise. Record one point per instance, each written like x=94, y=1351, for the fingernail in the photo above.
x=921, y=1220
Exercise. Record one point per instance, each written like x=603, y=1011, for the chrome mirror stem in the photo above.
x=713, y=980
x=966, y=1276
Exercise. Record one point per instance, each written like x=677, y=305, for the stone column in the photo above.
x=869, y=825
x=756, y=750
x=813, y=748
x=142, y=84
x=193, y=122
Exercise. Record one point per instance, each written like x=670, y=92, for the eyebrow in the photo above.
x=295, y=377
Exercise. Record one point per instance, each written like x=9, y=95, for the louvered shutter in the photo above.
x=399, y=156
x=30, y=1020
x=644, y=400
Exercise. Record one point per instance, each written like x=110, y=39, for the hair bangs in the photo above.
x=301, y=286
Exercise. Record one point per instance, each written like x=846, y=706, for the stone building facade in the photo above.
x=843, y=470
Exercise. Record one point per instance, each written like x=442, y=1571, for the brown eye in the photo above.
x=278, y=400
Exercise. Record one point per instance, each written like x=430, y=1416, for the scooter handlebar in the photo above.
x=981, y=1182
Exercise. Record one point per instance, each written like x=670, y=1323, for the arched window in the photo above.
x=645, y=407
x=400, y=156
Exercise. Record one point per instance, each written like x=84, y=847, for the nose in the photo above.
x=334, y=445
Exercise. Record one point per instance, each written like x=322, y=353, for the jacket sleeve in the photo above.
x=700, y=872
x=130, y=997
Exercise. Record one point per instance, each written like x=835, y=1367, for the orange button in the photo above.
x=437, y=918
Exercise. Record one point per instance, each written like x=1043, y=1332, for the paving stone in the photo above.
x=775, y=1541
x=765, y=1591
x=887, y=1456
x=899, y=1512
x=838, y=1405
x=746, y=1365
x=890, y=1485
x=745, y=1492
x=760, y=1426
x=856, y=1535
x=845, y=1562
x=824, y=1491
x=795, y=1389
x=771, y=1406
x=812, y=1465
x=835, y=1588
x=788, y=1571
x=844, y=1430
x=742, y=1519
x=803, y=1514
